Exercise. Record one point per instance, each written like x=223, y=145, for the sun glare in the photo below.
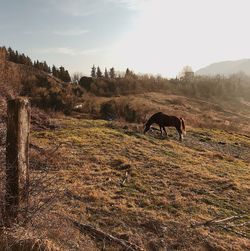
x=168, y=35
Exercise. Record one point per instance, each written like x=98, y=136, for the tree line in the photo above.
x=21, y=58
x=96, y=72
x=112, y=83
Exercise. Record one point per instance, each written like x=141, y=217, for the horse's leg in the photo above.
x=164, y=129
x=181, y=136
x=160, y=129
x=180, y=133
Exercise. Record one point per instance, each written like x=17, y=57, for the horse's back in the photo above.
x=157, y=115
x=168, y=120
x=165, y=120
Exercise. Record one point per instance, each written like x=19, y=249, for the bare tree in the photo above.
x=76, y=76
x=186, y=73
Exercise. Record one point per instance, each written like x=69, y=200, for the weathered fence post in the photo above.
x=17, y=158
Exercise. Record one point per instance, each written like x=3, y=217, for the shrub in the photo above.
x=130, y=114
x=86, y=82
x=108, y=110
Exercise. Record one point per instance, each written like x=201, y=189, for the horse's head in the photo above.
x=146, y=127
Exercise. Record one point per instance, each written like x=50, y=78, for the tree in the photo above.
x=130, y=74
x=93, y=72
x=22, y=59
x=187, y=73
x=61, y=73
x=67, y=77
x=112, y=73
x=106, y=75
x=45, y=67
x=127, y=73
x=49, y=70
x=28, y=61
x=54, y=71
x=86, y=82
x=11, y=55
x=76, y=76
x=98, y=73
x=64, y=75
x=16, y=57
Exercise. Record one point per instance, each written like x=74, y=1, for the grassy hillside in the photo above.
x=147, y=190
x=231, y=116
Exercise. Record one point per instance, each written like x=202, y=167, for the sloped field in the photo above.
x=151, y=192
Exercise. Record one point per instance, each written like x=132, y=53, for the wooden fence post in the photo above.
x=17, y=158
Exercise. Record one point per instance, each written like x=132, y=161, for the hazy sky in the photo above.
x=148, y=36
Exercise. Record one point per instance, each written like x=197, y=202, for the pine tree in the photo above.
x=127, y=74
x=112, y=73
x=66, y=77
x=37, y=65
x=28, y=61
x=98, y=73
x=93, y=72
x=11, y=54
x=130, y=74
x=54, y=71
x=16, y=58
x=106, y=75
x=61, y=74
x=45, y=67
x=49, y=69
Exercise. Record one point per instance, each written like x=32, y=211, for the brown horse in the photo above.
x=164, y=120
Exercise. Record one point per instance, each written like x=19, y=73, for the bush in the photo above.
x=108, y=110
x=86, y=82
x=130, y=114
x=49, y=94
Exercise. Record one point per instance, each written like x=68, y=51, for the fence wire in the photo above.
x=43, y=184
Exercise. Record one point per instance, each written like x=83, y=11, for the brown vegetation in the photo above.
x=102, y=185
x=92, y=179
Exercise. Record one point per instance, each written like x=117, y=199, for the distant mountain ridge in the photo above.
x=226, y=68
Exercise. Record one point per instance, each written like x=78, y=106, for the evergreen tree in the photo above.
x=54, y=71
x=16, y=57
x=11, y=54
x=98, y=72
x=93, y=72
x=63, y=74
x=61, y=71
x=66, y=77
x=21, y=59
x=127, y=74
x=49, y=69
x=28, y=61
x=45, y=67
x=112, y=73
x=37, y=65
x=106, y=75
x=9, y=51
x=130, y=74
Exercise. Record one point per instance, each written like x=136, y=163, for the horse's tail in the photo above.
x=183, y=125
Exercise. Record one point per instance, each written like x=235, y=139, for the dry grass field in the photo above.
x=230, y=115
x=148, y=191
